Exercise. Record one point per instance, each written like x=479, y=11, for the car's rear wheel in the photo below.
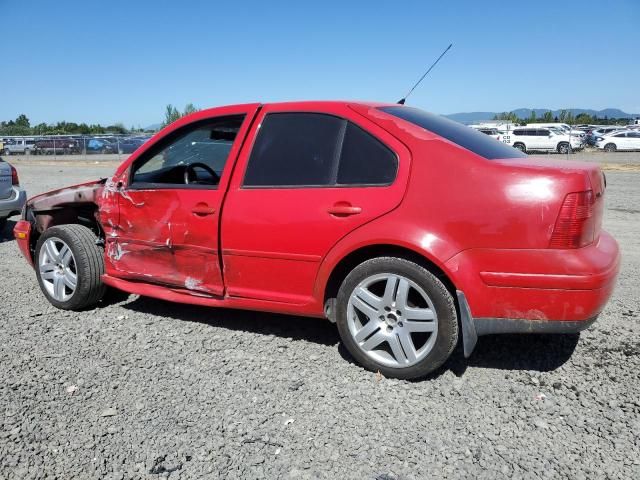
x=520, y=146
x=564, y=147
x=27, y=151
x=69, y=266
x=396, y=317
x=7, y=151
x=610, y=147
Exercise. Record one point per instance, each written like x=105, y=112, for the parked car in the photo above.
x=405, y=228
x=12, y=196
x=19, y=145
x=98, y=145
x=62, y=146
x=621, y=140
x=600, y=132
x=129, y=145
x=544, y=139
x=492, y=132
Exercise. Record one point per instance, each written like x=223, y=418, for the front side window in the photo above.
x=191, y=157
x=317, y=150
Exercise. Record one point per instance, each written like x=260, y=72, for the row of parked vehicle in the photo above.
x=562, y=138
x=70, y=145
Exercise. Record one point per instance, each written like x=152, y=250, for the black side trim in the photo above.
x=492, y=326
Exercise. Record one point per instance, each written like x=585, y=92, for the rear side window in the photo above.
x=466, y=137
x=365, y=160
x=317, y=150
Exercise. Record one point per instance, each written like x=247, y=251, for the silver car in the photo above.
x=12, y=197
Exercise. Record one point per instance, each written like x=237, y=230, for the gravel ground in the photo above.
x=141, y=388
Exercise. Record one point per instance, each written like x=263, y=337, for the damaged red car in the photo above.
x=408, y=230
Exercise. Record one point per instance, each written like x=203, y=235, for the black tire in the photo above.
x=520, y=146
x=443, y=303
x=89, y=262
x=3, y=223
x=563, y=147
x=610, y=147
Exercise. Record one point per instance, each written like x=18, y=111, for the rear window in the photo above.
x=455, y=132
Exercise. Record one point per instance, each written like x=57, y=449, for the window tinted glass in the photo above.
x=203, y=147
x=365, y=160
x=620, y=135
x=466, y=137
x=294, y=149
x=543, y=133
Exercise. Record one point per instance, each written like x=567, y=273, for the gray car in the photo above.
x=12, y=197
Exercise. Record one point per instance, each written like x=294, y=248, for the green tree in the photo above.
x=22, y=121
x=533, y=117
x=547, y=117
x=171, y=114
x=189, y=109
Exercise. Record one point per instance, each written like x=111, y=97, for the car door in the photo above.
x=169, y=206
x=544, y=139
x=307, y=179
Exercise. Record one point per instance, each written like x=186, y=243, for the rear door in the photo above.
x=308, y=179
x=5, y=180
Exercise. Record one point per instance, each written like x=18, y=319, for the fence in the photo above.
x=73, y=147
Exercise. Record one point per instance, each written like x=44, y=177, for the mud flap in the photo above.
x=469, y=334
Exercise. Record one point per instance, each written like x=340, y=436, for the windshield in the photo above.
x=466, y=137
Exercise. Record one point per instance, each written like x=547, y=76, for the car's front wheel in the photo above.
x=563, y=147
x=69, y=264
x=396, y=317
x=610, y=147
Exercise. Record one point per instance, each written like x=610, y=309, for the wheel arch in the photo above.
x=350, y=260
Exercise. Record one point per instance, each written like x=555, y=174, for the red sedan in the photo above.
x=406, y=229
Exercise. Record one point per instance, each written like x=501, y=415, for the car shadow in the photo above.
x=314, y=330
x=6, y=234
x=542, y=353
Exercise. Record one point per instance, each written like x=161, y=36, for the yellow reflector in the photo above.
x=21, y=235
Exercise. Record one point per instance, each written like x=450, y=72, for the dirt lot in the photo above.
x=140, y=388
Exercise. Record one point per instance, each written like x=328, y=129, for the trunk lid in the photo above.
x=5, y=179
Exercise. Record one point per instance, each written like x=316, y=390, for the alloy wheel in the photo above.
x=392, y=320
x=58, y=269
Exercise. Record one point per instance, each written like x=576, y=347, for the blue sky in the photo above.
x=123, y=61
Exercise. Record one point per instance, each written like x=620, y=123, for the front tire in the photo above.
x=396, y=317
x=564, y=148
x=610, y=147
x=68, y=266
x=521, y=147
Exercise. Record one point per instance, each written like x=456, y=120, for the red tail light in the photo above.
x=14, y=176
x=575, y=226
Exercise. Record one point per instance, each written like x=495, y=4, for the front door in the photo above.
x=169, y=207
x=308, y=179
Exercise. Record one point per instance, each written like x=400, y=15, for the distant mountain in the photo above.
x=157, y=126
x=471, y=117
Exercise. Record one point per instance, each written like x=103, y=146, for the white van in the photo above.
x=544, y=139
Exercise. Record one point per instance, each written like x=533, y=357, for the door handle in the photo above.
x=202, y=209
x=344, y=210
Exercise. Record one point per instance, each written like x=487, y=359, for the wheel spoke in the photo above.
x=65, y=255
x=58, y=287
x=51, y=250
x=368, y=329
x=402, y=294
x=70, y=279
x=47, y=275
x=420, y=326
x=390, y=289
x=418, y=314
x=368, y=298
x=407, y=345
x=396, y=349
x=373, y=341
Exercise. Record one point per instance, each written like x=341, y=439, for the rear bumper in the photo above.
x=540, y=285
x=13, y=205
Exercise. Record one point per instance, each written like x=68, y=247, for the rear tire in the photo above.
x=521, y=147
x=408, y=325
x=68, y=266
x=610, y=147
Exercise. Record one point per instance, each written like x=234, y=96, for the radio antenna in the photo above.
x=404, y=99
